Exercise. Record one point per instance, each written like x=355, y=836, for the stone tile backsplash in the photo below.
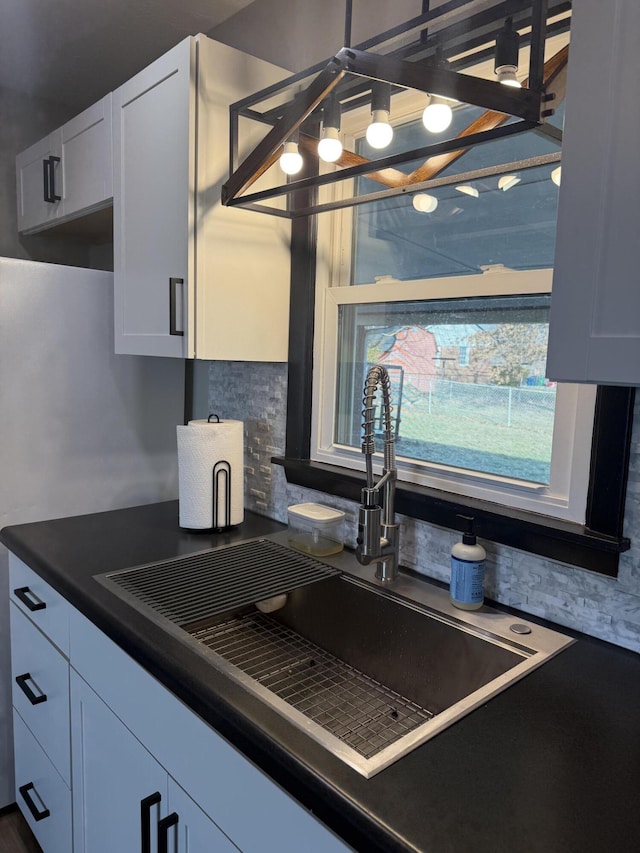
x=608, y=608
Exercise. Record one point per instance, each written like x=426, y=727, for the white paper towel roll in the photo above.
x=203, y=447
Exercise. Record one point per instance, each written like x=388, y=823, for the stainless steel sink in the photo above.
x=369, y=672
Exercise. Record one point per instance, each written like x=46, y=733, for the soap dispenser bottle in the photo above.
x=467, y=569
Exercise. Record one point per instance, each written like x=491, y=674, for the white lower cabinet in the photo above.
x=123, y=799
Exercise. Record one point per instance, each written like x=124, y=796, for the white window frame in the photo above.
x=566, y=495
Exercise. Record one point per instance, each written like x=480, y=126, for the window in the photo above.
x=455, y=303
x=452, y=292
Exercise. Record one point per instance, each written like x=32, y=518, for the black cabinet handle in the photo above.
x=23, y=593
x=34, y=698
x=33, y=808
x=146, y=804
x=173, y=286
x=163, y=831
x=49, y=177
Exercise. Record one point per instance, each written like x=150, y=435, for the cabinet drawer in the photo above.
x=41, y=794
x=41, y=603
x=40, y=681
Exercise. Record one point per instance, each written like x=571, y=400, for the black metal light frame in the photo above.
x=527, y=105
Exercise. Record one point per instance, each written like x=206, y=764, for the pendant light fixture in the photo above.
x=330, y=146
x=507, y=50
x=556, y=175
x=406, y=57
x=380, y=133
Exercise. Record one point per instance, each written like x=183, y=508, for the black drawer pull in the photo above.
x=146, y=804
x=23, y=593
x=163, y=831
x=33, y=808
x=34, y=698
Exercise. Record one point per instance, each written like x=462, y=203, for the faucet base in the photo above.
x=386, y=570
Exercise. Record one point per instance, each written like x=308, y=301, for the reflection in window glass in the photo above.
x=474, y=225
x=468, y=383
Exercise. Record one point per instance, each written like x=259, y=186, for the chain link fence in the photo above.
x=497, y=404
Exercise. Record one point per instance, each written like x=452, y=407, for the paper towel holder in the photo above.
x=213, y=416
x=221, y=481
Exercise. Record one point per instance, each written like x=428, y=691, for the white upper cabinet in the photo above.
x=68, y=173
x=154, y=184
x=595, y=303
x=193, y=279
x=86, y=160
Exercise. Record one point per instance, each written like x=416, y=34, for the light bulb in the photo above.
x=437, y=115
x=507, y=181
x=507, y=76
x=291, y=160
x=556, y=175
x=330, y=147
x=379, y=133
x=465, y=189
x=425, y=203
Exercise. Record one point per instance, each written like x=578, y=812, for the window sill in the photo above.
x=565, y=541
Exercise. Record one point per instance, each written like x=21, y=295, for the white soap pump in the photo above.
x=467, y=569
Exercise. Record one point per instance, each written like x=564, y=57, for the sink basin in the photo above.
x=368, y=672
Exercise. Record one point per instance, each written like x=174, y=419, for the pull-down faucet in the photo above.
x=377, y=531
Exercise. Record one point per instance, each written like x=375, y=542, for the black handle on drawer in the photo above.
x=22, y=593
x=163, y=831
x=146, y=804
x=33, y=808
x=173, y=286
x=34, y=698
x=49, y=177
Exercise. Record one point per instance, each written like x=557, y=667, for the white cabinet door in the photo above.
x=38, y=176
x=154, y=186
x=119, y=789
x=87, y=163
x=122, y=798
x=595, y=303
x=187, y=829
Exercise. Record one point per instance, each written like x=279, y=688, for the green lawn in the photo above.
x=478, y=437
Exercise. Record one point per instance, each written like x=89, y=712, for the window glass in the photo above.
x=507, y=219
x=468, y=384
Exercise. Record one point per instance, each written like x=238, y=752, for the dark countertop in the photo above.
x=550, y=765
